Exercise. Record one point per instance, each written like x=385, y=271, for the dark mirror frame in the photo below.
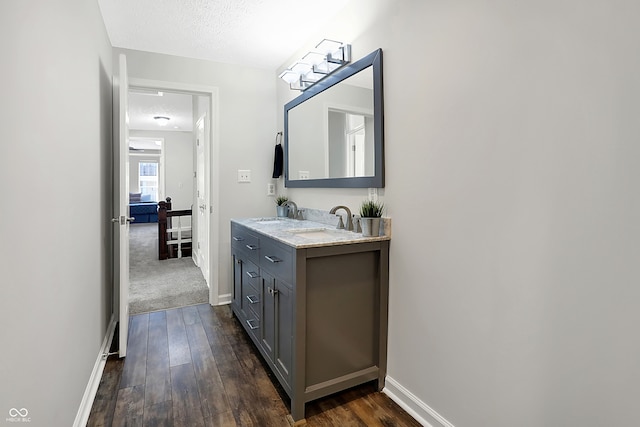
x=374, y=59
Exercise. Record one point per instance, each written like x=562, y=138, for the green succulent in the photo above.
x=281, y=200
x=371, y=209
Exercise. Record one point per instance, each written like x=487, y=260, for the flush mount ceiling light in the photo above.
x=161, y=120
x=327, y=57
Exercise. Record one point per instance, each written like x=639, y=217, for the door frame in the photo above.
x=212, y=162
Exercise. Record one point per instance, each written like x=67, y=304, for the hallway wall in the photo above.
x=512, y=181
x=55, y=182
x=179, y=167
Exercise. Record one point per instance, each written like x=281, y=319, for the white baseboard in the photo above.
x=94, y=380
x=419, y=410
x=224, y=299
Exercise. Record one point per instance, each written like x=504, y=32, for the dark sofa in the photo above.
x=142, y=210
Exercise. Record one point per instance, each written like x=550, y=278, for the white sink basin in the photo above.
x=315, y=233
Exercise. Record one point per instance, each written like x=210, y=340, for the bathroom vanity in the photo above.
x=314, y=301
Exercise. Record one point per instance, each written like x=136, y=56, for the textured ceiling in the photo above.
x=261, y=33
x=145, y=104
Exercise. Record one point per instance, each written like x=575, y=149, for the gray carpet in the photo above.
x=158, y=285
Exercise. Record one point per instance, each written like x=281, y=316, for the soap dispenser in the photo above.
x=356, y=224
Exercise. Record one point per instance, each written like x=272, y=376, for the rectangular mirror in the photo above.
x=334, y=131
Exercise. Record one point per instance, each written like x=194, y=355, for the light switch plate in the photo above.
x=244, y=175
x=373, y=194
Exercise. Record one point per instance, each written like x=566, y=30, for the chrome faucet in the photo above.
x=294, y=212
x=349, y=220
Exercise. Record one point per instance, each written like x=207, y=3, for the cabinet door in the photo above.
x=268, y=335
x=237, y=282
x=277, y=327
x=283, y=350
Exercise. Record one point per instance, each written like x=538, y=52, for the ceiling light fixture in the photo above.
x=161, y=120
x=327, y=57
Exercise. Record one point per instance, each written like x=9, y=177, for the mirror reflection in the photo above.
x=332, y=134
x=334, y=131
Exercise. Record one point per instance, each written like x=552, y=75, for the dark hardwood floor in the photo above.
x=195, y=366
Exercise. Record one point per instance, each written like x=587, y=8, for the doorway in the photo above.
x=192, y=189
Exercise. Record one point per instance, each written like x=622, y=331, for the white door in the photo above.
x=121, y=204
x=201, y=192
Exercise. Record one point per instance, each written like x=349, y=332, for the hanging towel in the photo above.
x=278, y=159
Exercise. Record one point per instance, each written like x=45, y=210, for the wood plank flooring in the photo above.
x=195, y=366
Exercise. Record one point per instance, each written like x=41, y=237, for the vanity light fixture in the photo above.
x=161, y=120
x=327, y=57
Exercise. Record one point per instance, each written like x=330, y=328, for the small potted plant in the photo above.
x=370, y=213
x=282, y=209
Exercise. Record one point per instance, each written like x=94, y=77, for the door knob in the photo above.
x=122, y=220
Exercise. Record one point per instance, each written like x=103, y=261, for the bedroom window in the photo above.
x=148, y=179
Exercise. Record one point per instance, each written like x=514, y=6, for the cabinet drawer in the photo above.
x=251, y=274
x=252, y=326
x=250, y=289
x=244, y=240
x=277, y=258
x=252, y=299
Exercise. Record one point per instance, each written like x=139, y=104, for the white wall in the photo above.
x=244, y=135
x=512, y=168
x=55, y=181
x=179, y=168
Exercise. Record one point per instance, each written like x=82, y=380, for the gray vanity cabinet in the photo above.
x=262, y=296
x=317, y=314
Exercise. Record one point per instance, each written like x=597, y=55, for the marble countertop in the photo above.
x=304, y=233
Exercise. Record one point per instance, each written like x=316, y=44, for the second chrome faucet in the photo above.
x=349, y=220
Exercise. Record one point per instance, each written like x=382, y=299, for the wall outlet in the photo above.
x=244, y=175
x=303, y=174
x=373, y=194
x=271, y=189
